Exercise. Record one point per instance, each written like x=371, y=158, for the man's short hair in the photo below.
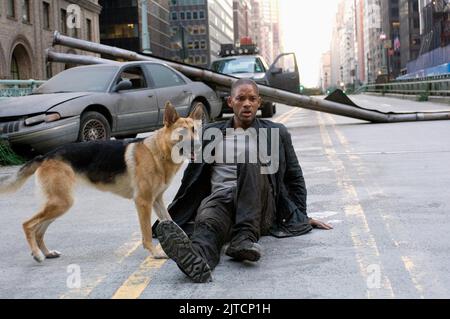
x=242, y=82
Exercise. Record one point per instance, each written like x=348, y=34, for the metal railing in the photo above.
x=436, y=86
x=10, y=88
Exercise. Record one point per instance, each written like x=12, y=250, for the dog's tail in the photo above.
x=12, y=183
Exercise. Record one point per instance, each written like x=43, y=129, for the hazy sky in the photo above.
x=307, y=27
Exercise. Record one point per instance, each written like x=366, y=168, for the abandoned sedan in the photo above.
x=101, y=101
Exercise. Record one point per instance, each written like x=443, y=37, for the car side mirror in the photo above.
x=276, y=70
x=123, y=85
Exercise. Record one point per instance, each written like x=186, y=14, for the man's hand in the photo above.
x=319, y=225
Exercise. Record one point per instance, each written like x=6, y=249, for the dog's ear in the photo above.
x=197, y=114
x=170, y=115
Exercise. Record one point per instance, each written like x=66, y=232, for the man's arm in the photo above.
x=295, y=182
x=293, y=177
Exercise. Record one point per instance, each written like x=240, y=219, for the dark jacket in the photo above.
x=288, y=184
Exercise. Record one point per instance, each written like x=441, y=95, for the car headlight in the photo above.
x=47, y=118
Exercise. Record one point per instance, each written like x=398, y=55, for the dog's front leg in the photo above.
x=143, y=207
x=160, y=209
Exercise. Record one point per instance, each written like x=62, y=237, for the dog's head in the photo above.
x=184, y=132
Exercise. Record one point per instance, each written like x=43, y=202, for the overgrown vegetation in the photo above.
x=8, y=156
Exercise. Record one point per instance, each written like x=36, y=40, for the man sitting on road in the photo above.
x=220, y=202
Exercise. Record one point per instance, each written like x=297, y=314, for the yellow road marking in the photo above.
x=367, y=253
x=135, y=285
x=88, y=285
x=286, y=116
x=375, y=190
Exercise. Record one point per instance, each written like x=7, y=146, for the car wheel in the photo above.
x=206, y=117
x=267, y=110
x=94, y=127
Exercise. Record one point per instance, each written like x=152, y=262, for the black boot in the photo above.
x=177, y=245
x=243, y=248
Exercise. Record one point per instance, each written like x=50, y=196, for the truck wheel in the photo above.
x=268, y=110
x=94, y=127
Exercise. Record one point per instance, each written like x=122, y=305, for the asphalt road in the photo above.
x=384, y=187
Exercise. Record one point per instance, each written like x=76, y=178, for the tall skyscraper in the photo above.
x=390, y=13
x=409, y=40
x=199, y=27
x=373, y=45
x=242, y=15
x=121, y=25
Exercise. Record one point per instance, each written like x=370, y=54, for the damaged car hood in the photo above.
x=33, y=104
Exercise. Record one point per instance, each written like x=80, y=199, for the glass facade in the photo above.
x=120, y=25
x=198, y=27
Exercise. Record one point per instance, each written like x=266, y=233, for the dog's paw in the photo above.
x=38, y=257
x=160, y=255
x=53, y=254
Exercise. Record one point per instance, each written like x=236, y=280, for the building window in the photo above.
x=14, y=69
x=203, y=44
x=195, y=15
x=46, y=11
x=89, y=29
x=196, y=45
x=201, y=14
x=174, y=16
x=204, y=61
x=10, y=9
x=63, y=23
x=188, y=15
x=182, y=16
x=26, y=11
x=202, y=29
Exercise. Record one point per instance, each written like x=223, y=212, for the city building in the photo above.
x=361, y=53
x=338, y=29
x=325, y=72
x=121, y=26
x=373, y=45
x=434, y=24
x=27, y=28
x=409, y=41
x=242, y=19
x=198, y=29
x=390, y=28
x=434, y=55
x=348, y=45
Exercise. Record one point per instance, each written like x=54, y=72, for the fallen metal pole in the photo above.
x=53, y=56
x=268, y=93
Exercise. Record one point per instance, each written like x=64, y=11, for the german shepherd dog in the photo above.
x=137, y=170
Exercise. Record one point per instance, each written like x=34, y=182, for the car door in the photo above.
x=170, y=86
x=138, y=106
x=283, y=73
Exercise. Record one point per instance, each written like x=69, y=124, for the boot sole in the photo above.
x=177, y=245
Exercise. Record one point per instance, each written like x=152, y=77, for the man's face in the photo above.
x=245, y=102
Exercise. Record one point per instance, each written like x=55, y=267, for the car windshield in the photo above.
x=79, y=80
x=238, y=65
